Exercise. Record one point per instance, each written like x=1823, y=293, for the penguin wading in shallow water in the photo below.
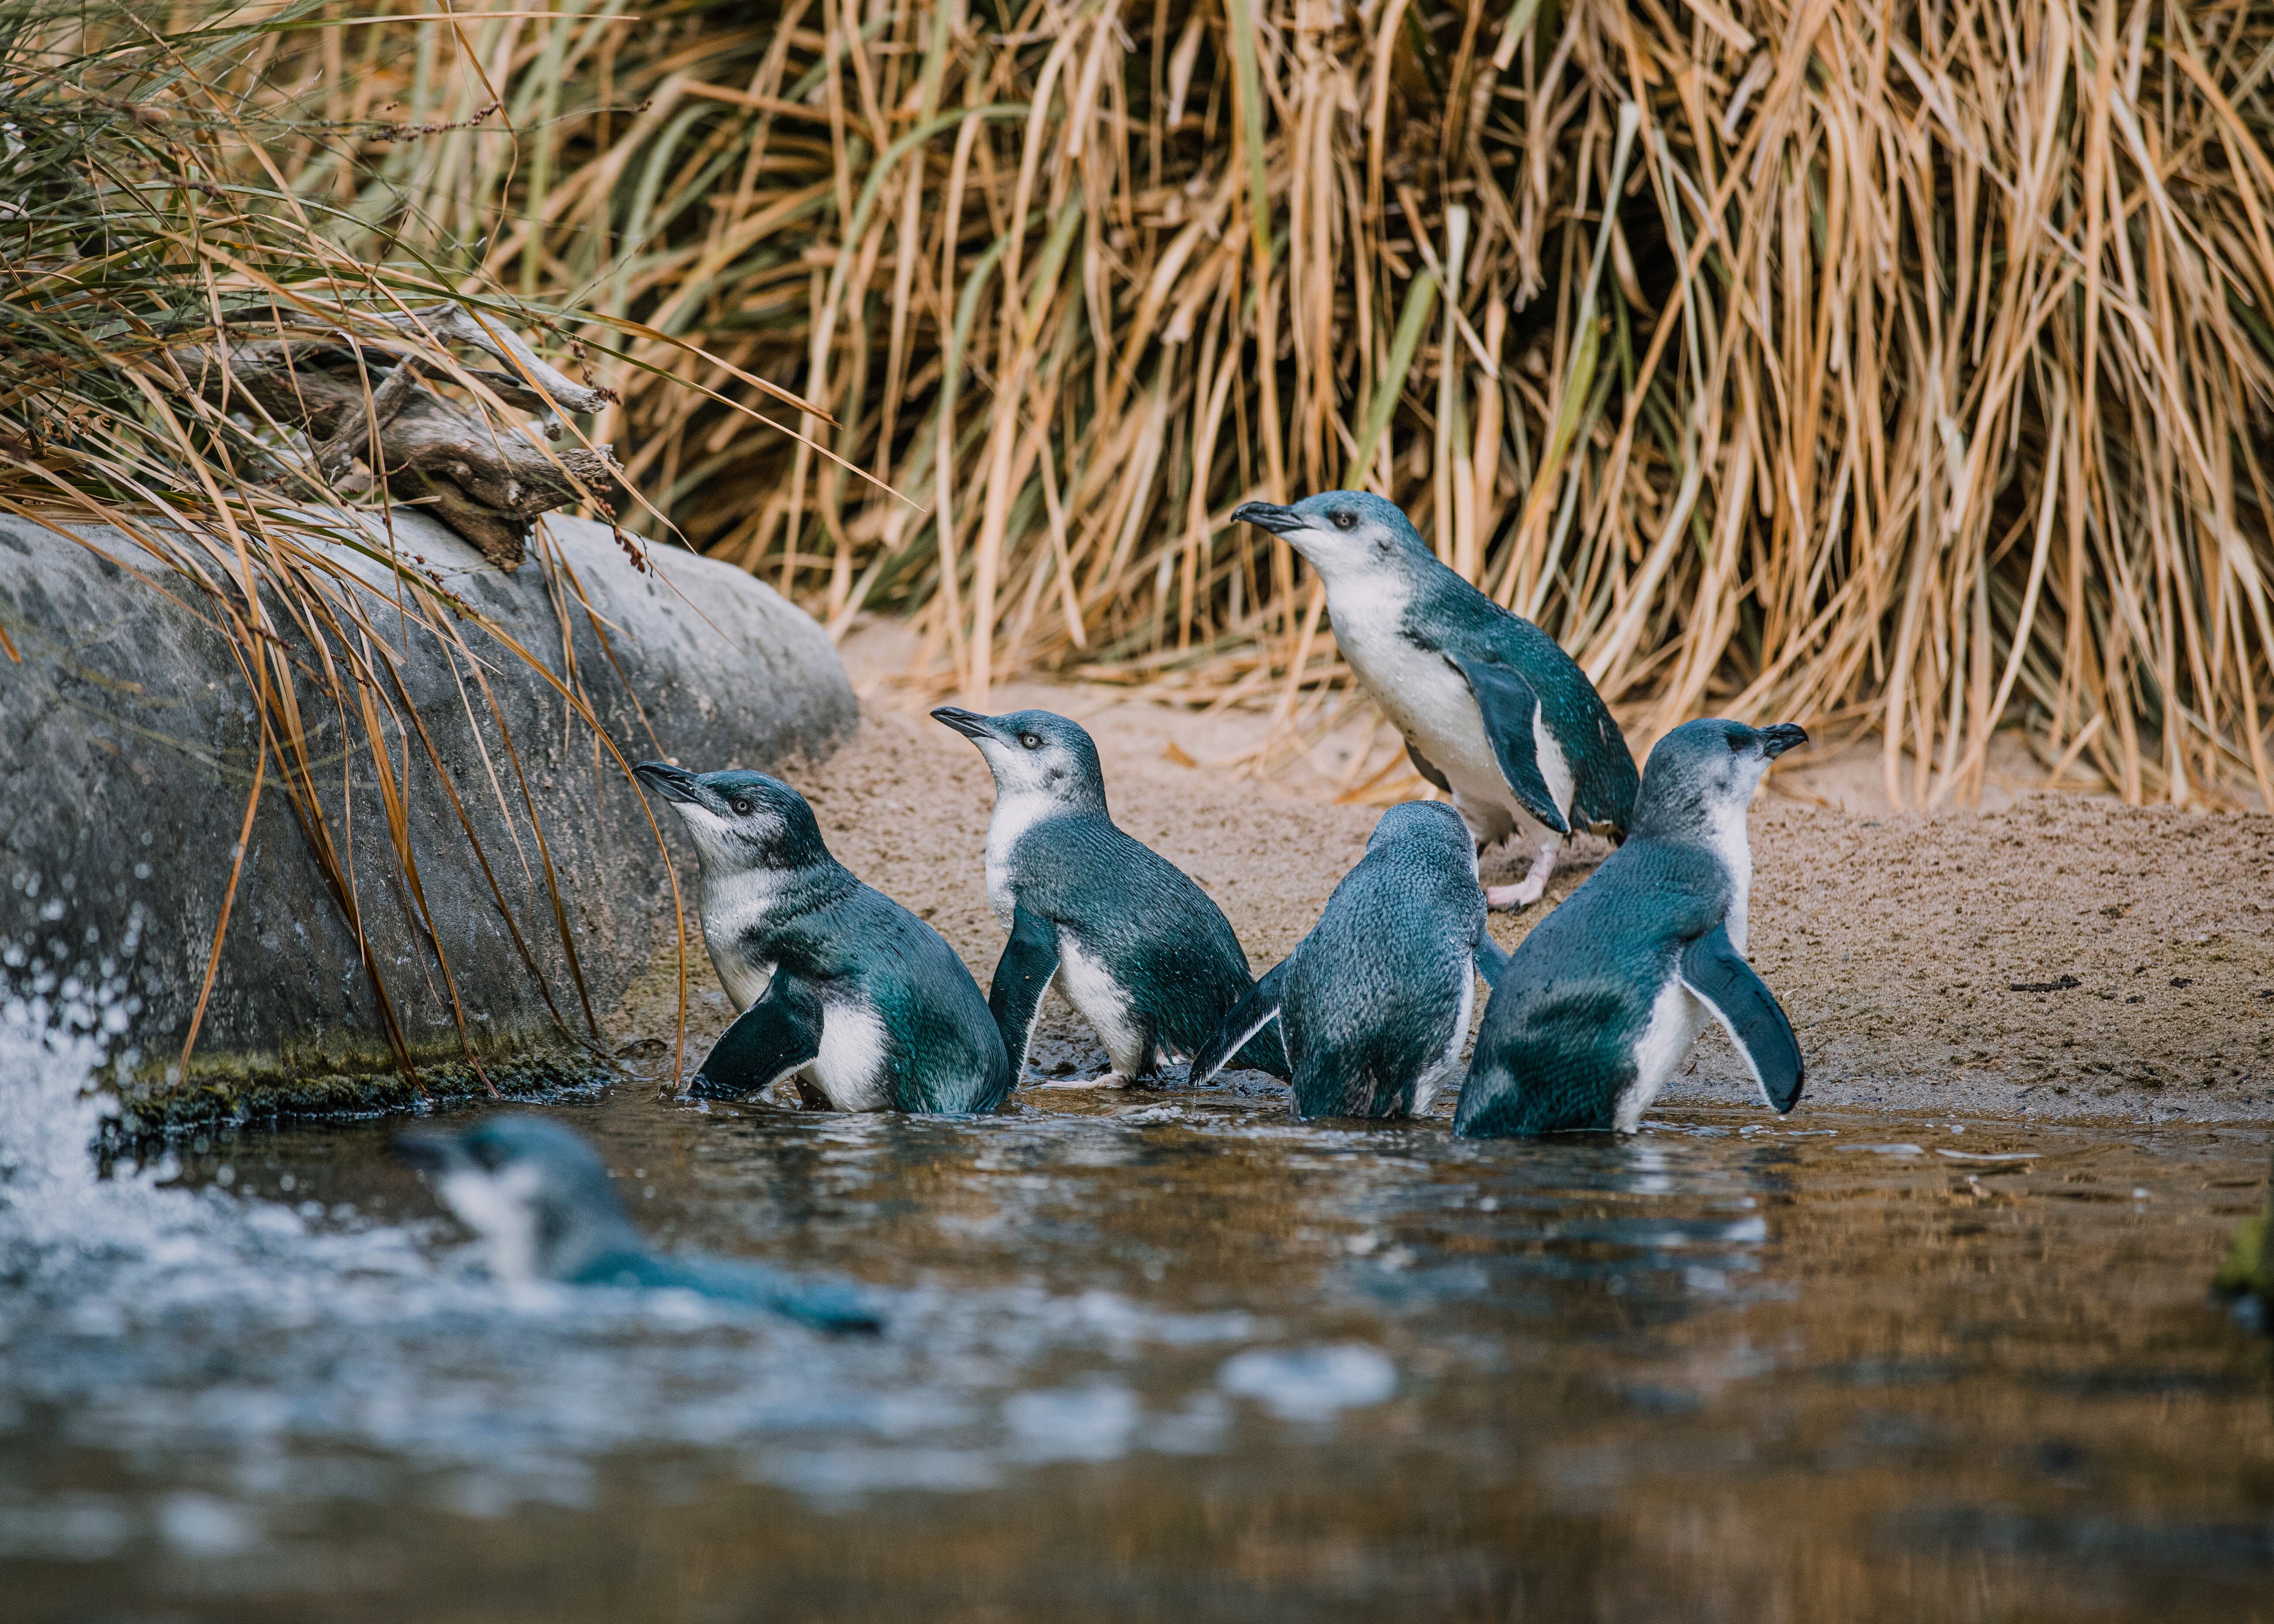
x=546, y=1209
x=1136, y=946
x=1601, y=1001
x=841, y=987
x=1492, y=711
x=1374, y=1003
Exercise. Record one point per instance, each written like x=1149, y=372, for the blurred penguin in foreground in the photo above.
x=545, y=1209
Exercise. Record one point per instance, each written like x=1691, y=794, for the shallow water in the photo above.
x=1151, y=1357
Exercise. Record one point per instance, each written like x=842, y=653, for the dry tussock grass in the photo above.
x=1903, y=366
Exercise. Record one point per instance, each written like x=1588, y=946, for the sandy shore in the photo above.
x=2060, y=956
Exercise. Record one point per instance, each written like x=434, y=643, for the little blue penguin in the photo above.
x=1492, y=709
x=1598, y=1005
x=840, y=986
x=546, y=1209
x=1135, y=945
x=1374, y=1003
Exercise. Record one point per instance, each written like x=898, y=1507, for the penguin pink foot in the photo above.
x=1528, y=889
x=1111, y=1080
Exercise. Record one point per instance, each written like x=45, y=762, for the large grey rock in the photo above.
x=128, y=743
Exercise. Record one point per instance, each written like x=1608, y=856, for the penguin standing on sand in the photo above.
x=1374, y=1003
x=841, y=987
x=1493, y=712
x=1135, y=944
x=546, y=1209
x=1599, y=1003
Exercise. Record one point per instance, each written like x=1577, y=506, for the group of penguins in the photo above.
x=864, y=1007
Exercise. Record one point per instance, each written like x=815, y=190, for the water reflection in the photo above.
x=1151, y=1357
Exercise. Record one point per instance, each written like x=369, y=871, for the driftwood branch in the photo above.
x=367, y=402
x=457, y=323
x=354, y=436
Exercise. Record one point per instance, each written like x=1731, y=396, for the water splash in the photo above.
x=161, y=1322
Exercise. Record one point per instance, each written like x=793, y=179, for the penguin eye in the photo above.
x=739, y=807
x=1033, y=741
x=1343, y=519
x=1737, y=745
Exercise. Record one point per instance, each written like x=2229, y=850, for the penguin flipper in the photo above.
x=1265, y=1051
x=1426, y=768
x=1509, y=707
x=1717, y=974
x=773, y=1038
x=1254, y=1012
x=1491, y=957
x=1030, y=957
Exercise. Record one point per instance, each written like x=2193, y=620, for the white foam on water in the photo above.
x=1311, y=1384
x=1092, y=1422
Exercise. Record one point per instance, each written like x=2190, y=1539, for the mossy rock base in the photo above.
x=129, y=750
x=238, y=1102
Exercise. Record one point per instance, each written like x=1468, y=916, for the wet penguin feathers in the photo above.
x=841, y=989
x=546, y=1209
x=1601, y=1001
x=1136, y=946
x=1373, y=1004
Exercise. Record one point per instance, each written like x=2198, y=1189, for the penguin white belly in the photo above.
x=1728, y=836
x=850, y=1068
x=732, y=909
x=1013, y=816
x=501, y=1208
x=1426, y=1085
x=1089, y=986
x=1430, y=703
x=1676, y=1017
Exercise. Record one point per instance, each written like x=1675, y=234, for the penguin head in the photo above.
x=533, y=1191
x=1429, y=826
x=1034, y=753
x=741, y=821
x=1704, y=773
x=1345, y=535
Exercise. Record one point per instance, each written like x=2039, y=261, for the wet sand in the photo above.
x=2061, y=957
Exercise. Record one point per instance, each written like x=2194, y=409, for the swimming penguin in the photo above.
x=1135, y=945
x=840, y=986
x=546, y=1209
x=1493, y=712
x=1599, y=1004
x=1374, y=1003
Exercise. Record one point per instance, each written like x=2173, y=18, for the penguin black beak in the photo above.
x=1270, y=517
x=970, y=723
x=1780, y=737
x=672, y=783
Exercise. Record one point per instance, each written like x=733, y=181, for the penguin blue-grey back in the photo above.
x=1373, y=1004
x=546, y=1209
x=840, y=988
x=1491, y=709
x=1602, y=1000
x=1133, y=943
